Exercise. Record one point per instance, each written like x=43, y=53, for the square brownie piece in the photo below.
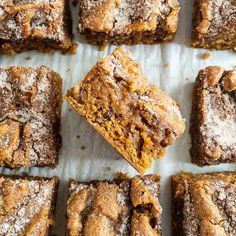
x=134, y=116
x=117, y=207
x=28, y=24
x=204, y=204
x=213, y=119
x=214, y=24
x=30, y=105
x=27, y=205
x=128, y=22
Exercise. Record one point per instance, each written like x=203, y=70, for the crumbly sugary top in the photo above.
x=24, y=19
x=209, y=206
x=114, y=208
x=29, y=116
x=126, y=16
x=25, y=206
x=217, y=19
x=218, y=127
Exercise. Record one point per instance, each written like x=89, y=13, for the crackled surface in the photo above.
x=30, y=24
x=30, y=100
x=214, y=24
x=133, y=115
x=26, y=205
x=213, y=122
x=204, y=204
x=128, y=21
x=119, y=207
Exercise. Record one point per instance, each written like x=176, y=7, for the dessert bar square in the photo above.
x=27, y=205
x=204, y=204
x=213, y=119
x=214, y=24
x=118, y=207
x=128, y=21
x=28, y=24
x=30, y=104
x=133, y=115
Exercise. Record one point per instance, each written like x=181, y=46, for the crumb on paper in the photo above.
x=73, y=49
x=24, y=174
x=102, y=47
x=205, y=55
x=187, y=79
x=83, y=147
x=68, y=70
x=107, y=168
x=78, y=136
x=70, y=109
x=28, y=58
x=121, y=175
x=166, y=65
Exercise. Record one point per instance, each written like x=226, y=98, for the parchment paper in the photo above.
x=84, y=154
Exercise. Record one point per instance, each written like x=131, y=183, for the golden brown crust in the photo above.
x=129, y=22
x=27, y=205
x=30, y=105
x=132, y=114
x=214, y=24
x=27, y=24
x=213, y=118
x=204, y=204
x=114, y=208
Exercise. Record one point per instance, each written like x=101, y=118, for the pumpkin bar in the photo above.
x=118, y=207
x=214, y=24
x=44, y=25
x=204, y=204
x=30, y=104
x=213, y=119
x=27, y=205
x=128, y=22
x=133, y=115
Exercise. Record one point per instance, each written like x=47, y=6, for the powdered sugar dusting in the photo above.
x=120, y=226
x=3, y=80
x=34, y=105
x=131, y=10
x=220, y=126
x=123, y=14
x=39, y=195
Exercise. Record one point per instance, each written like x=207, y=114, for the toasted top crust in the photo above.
x=125, y=16
x=208, y=203
x=30, y=104
x=120, y=207
x=34, y=19
x=26, y=205
x=215, y=20
x=215, y=89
